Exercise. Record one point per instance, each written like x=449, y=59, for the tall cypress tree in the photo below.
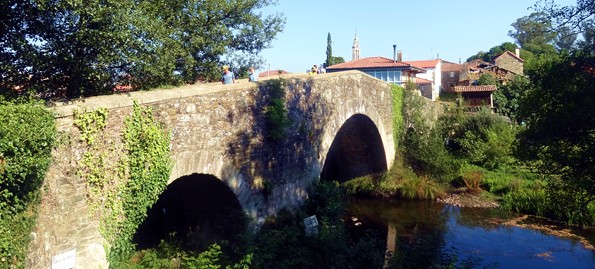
x=329, y=51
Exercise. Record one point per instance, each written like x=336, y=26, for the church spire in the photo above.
x=355, y=48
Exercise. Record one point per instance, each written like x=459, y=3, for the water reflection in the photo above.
x=431, y=235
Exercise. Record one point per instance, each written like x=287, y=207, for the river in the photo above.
x=431, y=235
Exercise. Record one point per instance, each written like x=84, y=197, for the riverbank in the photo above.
x=460, y=198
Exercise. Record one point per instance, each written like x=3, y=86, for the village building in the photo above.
x=385, y=69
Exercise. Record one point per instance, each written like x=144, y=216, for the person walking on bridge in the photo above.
x=227, y=77
x=252, y=77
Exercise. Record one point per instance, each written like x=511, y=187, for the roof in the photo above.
x=452, y=67
x=272, y=73
x=422, y=81
x=425, y=63
x=373, y=62
x=509, y=53
x=481, y=88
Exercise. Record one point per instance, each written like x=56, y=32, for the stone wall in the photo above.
x=217, y=130
x=509, y=62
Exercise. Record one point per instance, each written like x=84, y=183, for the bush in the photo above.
x=27, y=135
x=484, y=138
x=473, y=180
x=424, y=145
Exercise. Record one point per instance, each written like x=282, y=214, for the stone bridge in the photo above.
x=340, y=127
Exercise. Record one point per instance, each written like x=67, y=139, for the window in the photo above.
x=452, y=74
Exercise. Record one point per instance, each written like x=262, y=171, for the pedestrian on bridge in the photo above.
x=227, y=77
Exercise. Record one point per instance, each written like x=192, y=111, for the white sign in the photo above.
x=311, y=224
x=64, y=260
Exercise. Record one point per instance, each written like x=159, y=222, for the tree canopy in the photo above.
x=560, y=120
x=67, y=49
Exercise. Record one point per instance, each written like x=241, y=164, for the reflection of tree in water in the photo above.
x=418, y=227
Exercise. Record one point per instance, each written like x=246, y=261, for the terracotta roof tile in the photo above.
x=424, y=63
x=482, y=88
x=371, y=62
x=422, y=81
x=452, y=67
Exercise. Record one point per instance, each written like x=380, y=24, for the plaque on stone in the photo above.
x=64, y=260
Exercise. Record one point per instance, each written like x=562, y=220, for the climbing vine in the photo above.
x=149, y=167
x=397, y=94
x=123, y=182
x=275, y=111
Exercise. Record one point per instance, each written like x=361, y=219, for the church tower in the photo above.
x=355, y=48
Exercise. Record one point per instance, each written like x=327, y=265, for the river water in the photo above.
x=432, y=235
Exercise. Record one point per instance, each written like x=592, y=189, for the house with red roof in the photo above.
x=385, y=69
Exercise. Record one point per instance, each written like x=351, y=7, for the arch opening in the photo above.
x=357, y=150
x=194, y=212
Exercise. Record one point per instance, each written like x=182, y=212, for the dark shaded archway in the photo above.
x=194, y=211
x=357, y=150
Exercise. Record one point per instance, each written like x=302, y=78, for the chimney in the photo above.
x=399, y=56
x=517, y=52
x=395, y=52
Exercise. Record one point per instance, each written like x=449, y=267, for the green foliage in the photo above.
x=560, y=126
x=508, y=96
x=424, y=142
x=281, y=243
x=275, y=111
x=27, y=135
x=142, y=176
x=398, y=121
x=149, y=167
x=96, y=44
x=484, y=138
x=533, y=29
x=90, y=123
x=496, y=51
x=421, y=187
x=329, y=51
x=473, y=180
x=338, y=60
x=487, y=79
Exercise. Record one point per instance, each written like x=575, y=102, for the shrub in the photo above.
x=484, y=138
x=473, y=180
x=27, y=135
x=424, y=145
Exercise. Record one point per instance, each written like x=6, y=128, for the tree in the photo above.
x=329, y=51
x=565, y=39
x=487, y=79
x=560, y=132
x=66, y=49
x=507, y=97
x=494, y=52
x=533, y=29
x=337, y=60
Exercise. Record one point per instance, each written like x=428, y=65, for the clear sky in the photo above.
x=422, y=30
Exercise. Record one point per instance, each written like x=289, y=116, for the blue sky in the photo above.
x=452, y=29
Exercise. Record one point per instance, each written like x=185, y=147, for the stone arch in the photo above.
x=199, y=209
x=357, y=150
